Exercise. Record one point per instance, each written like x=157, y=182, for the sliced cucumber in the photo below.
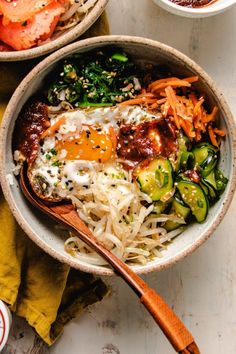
x=209, y=183
x=179, y=209
x=182, y=147
x=182, y=177
x=159, y=207
x=201, y=152
x=211, y=192
x=221, y=181
x=205, y=188
x=210, y=179
x=186, y=160
x=206, y=157
x=209, y=164
x=193, y=195
x=179, y=200
x=155, y=177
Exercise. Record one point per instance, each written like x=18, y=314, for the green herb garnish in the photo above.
x=56, y=163
x=53, y=151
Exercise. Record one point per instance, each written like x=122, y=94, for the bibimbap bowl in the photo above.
x=50, y=237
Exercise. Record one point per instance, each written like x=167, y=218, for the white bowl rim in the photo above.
x=115, y=40
x=59, y=42
x=209, y=9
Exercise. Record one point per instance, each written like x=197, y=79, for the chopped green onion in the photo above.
x=120, y=57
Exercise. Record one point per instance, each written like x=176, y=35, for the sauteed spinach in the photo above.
x=99, y=79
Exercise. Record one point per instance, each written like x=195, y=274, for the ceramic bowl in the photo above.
x=42, y=230
x=214, y=8
x=58, y=41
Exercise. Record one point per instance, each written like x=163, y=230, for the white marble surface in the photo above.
x=201, y=288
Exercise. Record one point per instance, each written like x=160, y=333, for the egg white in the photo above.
x=54, y=175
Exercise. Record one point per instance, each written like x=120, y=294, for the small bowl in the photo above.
x=42, y=230
x=214, y=8
x=5, y=324
x=58, y=41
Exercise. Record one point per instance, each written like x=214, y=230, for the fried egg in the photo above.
x=76, y=144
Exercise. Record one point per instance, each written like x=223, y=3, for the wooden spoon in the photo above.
x=178, y=335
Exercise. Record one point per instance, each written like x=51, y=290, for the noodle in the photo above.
x=74, y=14
x=113, y=210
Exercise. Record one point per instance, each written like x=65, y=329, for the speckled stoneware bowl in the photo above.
x=42, y=230
x=56, y=41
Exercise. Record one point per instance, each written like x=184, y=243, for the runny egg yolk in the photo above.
x=90, y=144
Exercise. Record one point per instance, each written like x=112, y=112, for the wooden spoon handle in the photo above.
x=171, y=325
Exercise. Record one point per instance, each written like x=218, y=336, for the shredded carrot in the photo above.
x=187, y=128
x=146, y=94
x=173, y=101
x=165, y=108
x=212, y=136
x=132, y=101
x=161, y=100
x=185, y=100
x=154, y=105
x=198, y=112
x=191, y=79
x=197, y=120
x=219, y=132
x=140, y=100
x=198, y=106
x=183, y=126
x=160, y=81
x=53, y=128
x=198, y=135
x=193, y=97
x=186, y=111
x=174, y=83
x=211, y=117
x=204, y=124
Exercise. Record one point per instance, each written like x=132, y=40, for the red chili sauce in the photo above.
x=193, y=175
x=193, y=3
x=31, y=123
x=148, y=139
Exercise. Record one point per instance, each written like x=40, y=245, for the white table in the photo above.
x=201, y=288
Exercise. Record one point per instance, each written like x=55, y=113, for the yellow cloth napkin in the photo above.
x=37, y=287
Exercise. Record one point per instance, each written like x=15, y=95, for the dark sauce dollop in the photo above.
x=192, y=3
x=31, y=123
x=148, y=139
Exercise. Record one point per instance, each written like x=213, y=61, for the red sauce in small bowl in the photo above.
x=193, y=3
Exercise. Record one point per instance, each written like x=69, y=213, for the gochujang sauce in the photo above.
x=193, y=3
x=148, y=139
x=32, y=122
